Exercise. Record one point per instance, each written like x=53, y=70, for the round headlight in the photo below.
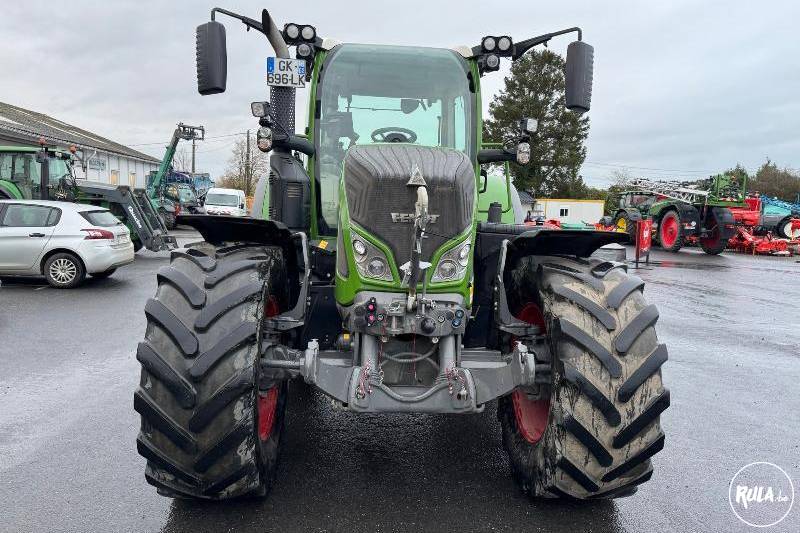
x=303, y=50
x=523, y=153
x=360, y=249
x=447, y=269
x=504, y=44
x=264, y=139
x=489, y=43
x=463, y=256
x=308, y=33
x=492, y=61
x=376, y=267
x=292, y=31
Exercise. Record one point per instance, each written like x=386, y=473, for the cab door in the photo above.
x=25, y=230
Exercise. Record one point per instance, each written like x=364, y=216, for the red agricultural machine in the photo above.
x=760, y=232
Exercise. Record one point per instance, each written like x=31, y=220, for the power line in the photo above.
x=207, y=139
x=617, y=165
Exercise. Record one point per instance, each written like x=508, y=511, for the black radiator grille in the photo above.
x=375, y=185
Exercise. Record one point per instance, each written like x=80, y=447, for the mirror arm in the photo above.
x=523, y=46
x=293, y=142
x=272, y=32
x=496, y=155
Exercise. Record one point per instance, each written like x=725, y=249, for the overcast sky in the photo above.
x=681, y=89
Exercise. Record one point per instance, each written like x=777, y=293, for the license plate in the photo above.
x=282, y=72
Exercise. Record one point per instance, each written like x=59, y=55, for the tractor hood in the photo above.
x=380, y=200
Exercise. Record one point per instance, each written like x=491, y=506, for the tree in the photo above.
x=782, y=183
x=240, y=174
x=535, y=89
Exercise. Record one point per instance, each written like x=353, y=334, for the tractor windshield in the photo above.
x=374, y=94
x=24, y=171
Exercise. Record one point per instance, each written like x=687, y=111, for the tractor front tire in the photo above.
x=595, y=434
x=207, y=430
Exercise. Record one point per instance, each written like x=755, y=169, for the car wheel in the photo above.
x=104, y=274
x=64, y=271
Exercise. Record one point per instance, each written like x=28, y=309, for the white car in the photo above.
x=219, y=201
x=61, y=241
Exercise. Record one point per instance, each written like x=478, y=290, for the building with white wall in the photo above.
x=107, y=161
x=568, y=210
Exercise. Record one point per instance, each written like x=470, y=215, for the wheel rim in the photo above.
x=63, y=271
x=622, y=225
x=531, y=415
x=267, y=407
x=669, y=230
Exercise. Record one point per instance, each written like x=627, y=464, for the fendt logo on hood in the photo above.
x=408, y=218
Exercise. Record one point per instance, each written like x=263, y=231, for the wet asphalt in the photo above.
x=67, y=427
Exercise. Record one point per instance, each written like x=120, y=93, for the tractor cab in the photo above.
x=22, y=172
x=371, y=94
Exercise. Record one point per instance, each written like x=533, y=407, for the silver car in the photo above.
x=61, y=241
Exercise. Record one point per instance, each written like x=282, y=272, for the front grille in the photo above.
x=375, y=184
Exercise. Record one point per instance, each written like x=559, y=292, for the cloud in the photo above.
x=679, y=85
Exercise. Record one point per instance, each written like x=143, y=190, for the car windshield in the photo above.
x=370, y=94
x=227, y=200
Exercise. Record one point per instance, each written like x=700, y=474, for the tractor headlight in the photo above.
x=489, y=43
x=523, y=153
x=370, y=260
x=264, y=139
x=453, y=264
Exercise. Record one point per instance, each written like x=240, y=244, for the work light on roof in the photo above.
x=489, y=44
x=304, y=51
x=292, y=31
x=308, y=33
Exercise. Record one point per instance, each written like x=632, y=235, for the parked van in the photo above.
x=220, y=201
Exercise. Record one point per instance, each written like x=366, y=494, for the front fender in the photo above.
x=580, y=243
x=217, y=229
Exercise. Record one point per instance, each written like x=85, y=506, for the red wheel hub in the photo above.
x=670, y=229
x=267, y=407
x=531, y=415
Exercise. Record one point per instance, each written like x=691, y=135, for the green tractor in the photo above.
x=47, y=173
x=368, y=272
x=693, y=213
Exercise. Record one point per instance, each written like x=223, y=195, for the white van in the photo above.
x=230, y=202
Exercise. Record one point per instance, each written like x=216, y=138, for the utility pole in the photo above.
x=193, y=145
x=247, y=166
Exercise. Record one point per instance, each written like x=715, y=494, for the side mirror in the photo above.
x=484, y=182
x=579, y=73
x=212, y=58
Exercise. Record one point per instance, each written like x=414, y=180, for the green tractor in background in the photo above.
x=47, y=173
x=683, y=213
x=369, y=271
